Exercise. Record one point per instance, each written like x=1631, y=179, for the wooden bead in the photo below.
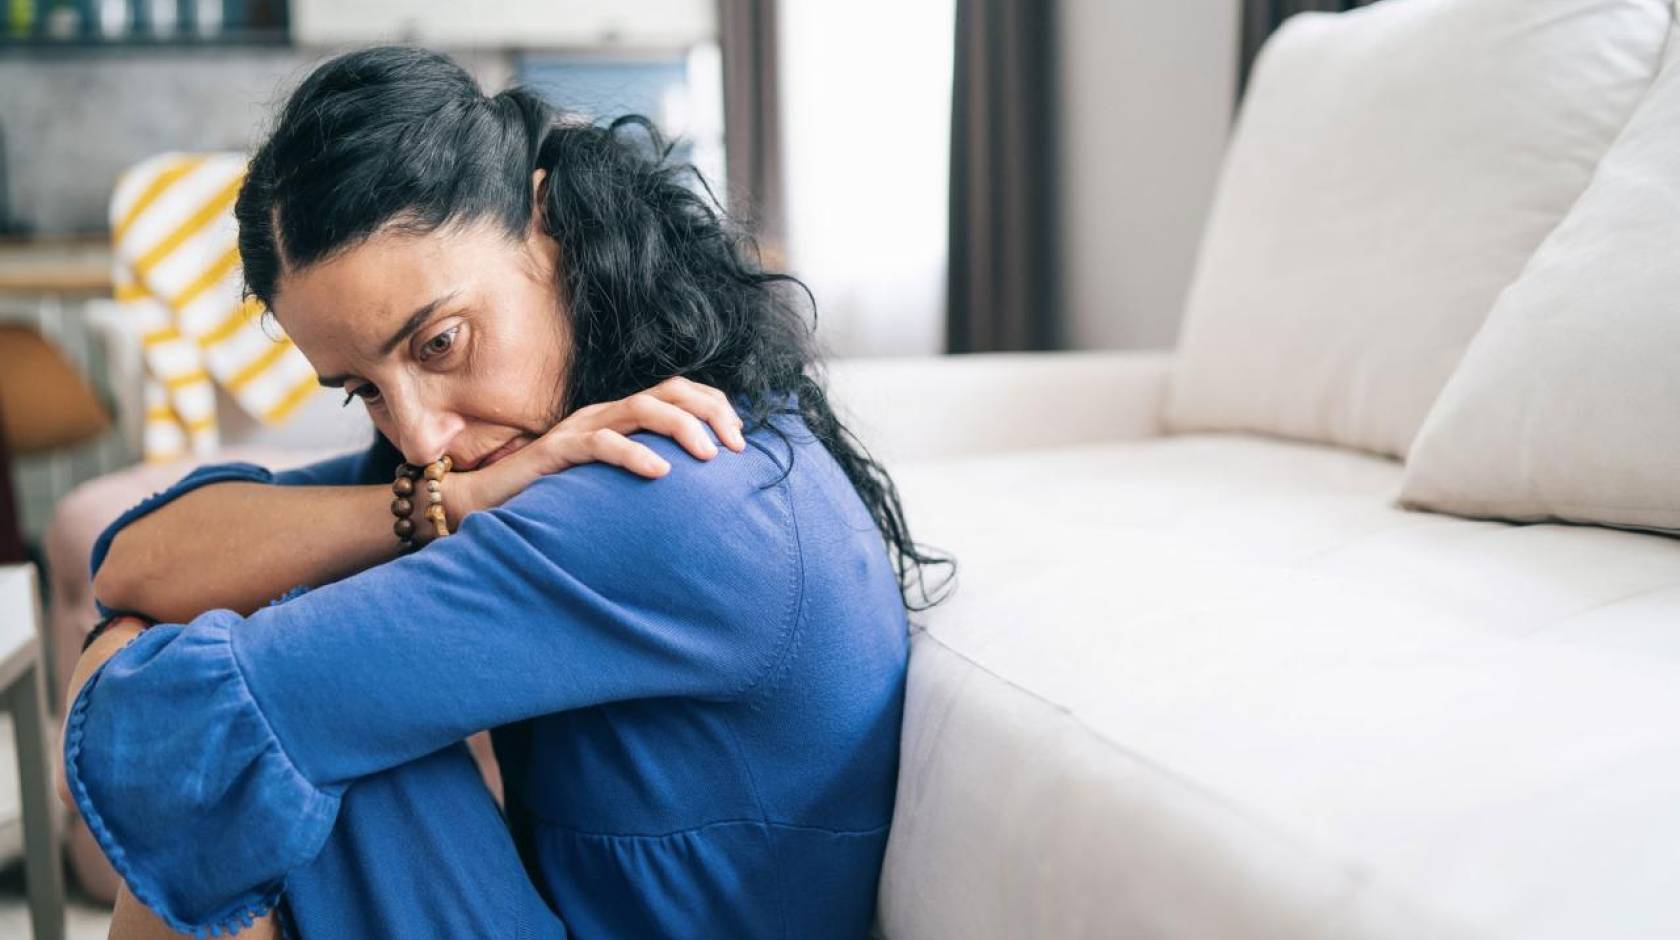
x=448, y=462
x=403, y=487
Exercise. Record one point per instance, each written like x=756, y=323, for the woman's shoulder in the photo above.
x=712, y=545
x=730, y=515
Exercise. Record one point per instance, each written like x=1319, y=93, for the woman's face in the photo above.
x=454, y=340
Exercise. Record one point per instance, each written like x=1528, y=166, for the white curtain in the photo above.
x=866, y=118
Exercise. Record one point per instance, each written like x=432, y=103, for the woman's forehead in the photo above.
x=370, y=288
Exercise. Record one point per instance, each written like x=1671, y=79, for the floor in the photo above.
x=83, y=921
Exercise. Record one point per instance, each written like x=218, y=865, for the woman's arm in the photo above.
x=209, y=758
x=243, y=542
x=240, y=544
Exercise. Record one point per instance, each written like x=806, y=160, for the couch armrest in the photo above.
x=939, y=406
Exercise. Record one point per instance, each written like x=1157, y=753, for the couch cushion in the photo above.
x=1564, y=406
x=1217, y=686
x=1392, y=169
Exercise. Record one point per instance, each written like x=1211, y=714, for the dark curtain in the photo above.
x=1261, y=17
x=751, y=118
x=1002, y=292
x=11, y=527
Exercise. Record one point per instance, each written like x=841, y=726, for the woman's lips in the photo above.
x=502, y=451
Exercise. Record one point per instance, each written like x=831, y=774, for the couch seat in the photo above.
x=1220, y=686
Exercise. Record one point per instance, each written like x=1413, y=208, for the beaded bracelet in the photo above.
x=403, y=505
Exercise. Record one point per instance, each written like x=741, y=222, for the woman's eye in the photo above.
x=367, y=393
x=439, y=344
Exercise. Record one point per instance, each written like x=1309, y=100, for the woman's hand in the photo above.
x=121, y=630
x=677, y=408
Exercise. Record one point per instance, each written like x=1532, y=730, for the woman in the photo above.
x=692, y=659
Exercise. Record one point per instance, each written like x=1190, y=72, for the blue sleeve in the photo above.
x=372, y=465
x=208, y=758
x=352, y=469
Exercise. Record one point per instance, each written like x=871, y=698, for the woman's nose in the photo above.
x=424, y=434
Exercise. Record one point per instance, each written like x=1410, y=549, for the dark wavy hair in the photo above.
x=658, y=282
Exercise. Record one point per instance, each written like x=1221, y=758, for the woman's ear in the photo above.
x=536, y=199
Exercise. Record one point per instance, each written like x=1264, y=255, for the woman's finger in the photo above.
x=706, y=403
x=605, y=445
x=727, y=424
x=646, y=412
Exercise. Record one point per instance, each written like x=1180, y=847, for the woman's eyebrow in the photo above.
x=415, y=321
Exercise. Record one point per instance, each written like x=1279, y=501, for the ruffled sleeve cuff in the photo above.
x=182, y=781
x=202, y=476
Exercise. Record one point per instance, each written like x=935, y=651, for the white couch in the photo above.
x=1202, y=682
x=1203, y=677
x=1220, y=686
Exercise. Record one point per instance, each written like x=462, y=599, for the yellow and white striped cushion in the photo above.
x=177, y=273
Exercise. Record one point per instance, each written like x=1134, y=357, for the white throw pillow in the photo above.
x=1567, y=404
x=1392, y=170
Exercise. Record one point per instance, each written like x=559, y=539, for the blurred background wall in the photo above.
x=74, y=119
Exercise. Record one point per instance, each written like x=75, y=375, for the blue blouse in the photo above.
x=703, y=675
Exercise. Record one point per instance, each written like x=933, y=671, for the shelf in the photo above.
x=142, y=41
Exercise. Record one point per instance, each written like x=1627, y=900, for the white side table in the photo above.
x=23, y=691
